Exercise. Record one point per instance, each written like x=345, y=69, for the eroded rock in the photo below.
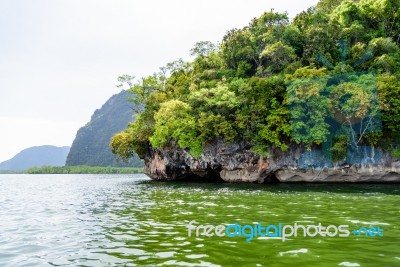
x=234, y=162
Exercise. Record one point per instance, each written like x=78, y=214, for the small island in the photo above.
x=313, y=99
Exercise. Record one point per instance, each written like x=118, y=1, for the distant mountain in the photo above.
x=91, y=144
x=36, y=156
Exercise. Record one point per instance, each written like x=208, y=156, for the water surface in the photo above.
x=128, y=220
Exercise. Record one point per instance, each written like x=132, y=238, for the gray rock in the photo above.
x=234, y=162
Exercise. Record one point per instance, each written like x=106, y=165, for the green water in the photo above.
x=127, y=220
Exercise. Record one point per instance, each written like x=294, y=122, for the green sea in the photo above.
x=129, y=220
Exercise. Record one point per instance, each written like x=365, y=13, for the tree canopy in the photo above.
x=334, y=68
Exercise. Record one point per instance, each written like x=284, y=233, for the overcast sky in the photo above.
x=59, y=59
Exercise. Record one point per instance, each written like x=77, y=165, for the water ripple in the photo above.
x=127, y=220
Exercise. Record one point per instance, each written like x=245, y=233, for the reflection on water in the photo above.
x=127, y=220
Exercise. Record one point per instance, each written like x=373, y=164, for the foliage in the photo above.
x=10, y=172
x=174, y=121
x=309, y=109
x=82, y=170
x=339, y=148
x=321, y=78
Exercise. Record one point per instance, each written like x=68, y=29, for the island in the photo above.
x=309, y=99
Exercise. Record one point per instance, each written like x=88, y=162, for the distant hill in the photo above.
x=36, y=156
x=91, y=144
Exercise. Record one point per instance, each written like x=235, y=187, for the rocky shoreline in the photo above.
x=234, y=162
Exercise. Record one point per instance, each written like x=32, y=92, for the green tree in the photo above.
x=276, y=82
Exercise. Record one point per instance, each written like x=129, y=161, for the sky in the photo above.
x=60, y=59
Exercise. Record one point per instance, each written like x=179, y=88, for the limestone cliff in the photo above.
x=91, y=144
x=234, y=162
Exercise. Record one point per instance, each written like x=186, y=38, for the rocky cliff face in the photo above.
x=234, y=162
x=91, y=144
